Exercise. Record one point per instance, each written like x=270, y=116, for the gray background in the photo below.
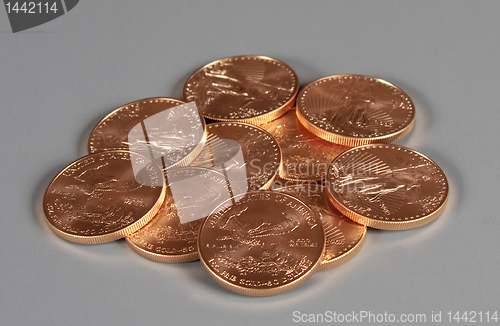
x=59, y=79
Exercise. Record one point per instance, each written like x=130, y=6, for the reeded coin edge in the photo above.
x=289, y=178
x=103, y=238
x=352, y=141
x=97, y=239
x=163, y=258
x=389, y=225
x=346, y=256
x=262, y=118
x=384, y=224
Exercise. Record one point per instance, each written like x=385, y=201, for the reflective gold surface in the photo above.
x=98, y=198
x=354, y=110
x=253, y=89
x=305, y=156
x=387, y=187
x=262, y=243
x=260, y=158
x=167, y=132
x=344, y=237
x=165, y=238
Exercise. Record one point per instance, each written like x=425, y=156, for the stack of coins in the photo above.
x=262, y=192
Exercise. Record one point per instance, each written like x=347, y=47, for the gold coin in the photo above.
x=103, y=197
x=387, y=187
x=167, y=130
x=305, y=156
x=344, y=237
x=248, y=154
x=166, y=238
x=280, y=183
x=252, y=89
x=354, y=110
x=261, y=243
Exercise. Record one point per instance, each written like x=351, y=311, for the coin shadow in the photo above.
x=307, y=292
x=192, y=272
x=202, y=279
x=218, y=296
x=222, y=298
x=159, y=267
x=330, y=279
x=90, y=253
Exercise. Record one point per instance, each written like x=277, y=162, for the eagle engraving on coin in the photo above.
x=262, y=243
x=249, y=232
x=93, y=183
x=104, y=214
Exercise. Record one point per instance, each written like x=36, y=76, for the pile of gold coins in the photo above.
x=264, y=184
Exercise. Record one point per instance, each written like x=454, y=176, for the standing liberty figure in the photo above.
x=358, y=107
